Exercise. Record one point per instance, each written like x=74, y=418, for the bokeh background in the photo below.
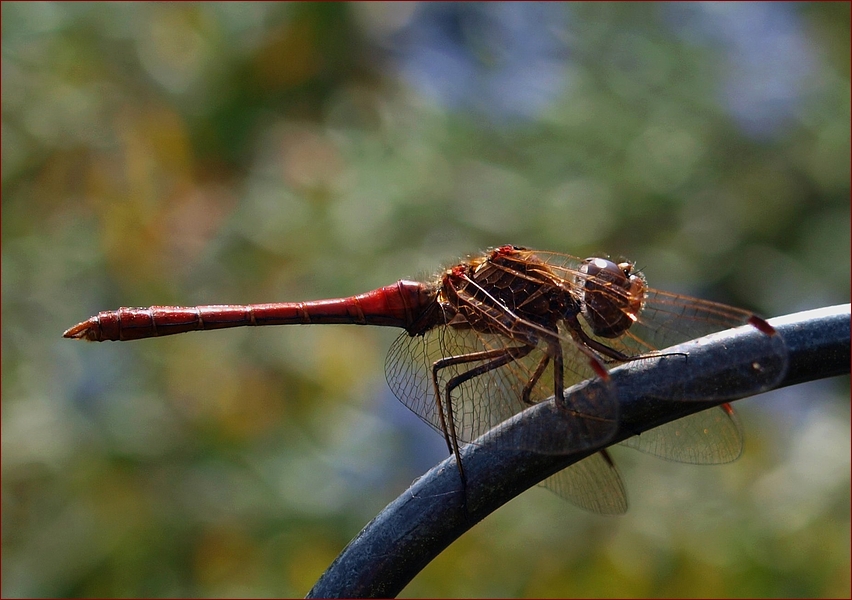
x=193, y=153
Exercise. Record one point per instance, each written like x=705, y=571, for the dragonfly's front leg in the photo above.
x=587, y=344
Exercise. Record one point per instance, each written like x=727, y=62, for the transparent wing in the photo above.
x=593, y=484
x=477, y=404
x=709, y=437
x=484, y=387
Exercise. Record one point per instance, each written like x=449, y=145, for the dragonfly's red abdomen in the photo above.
x=398, y=305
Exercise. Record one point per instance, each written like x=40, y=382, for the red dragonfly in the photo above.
x=499, y=332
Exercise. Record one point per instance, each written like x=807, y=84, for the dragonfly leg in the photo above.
x=496, y=358
x=558, y=373
x=614, y=354
x=583, y=337
x=555, y=350
x=539, y=370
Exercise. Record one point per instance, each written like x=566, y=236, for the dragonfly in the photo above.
x=501, y=331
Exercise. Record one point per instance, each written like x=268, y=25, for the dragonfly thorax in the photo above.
x=506, y=294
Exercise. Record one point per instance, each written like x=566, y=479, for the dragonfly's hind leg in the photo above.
x=496, y=358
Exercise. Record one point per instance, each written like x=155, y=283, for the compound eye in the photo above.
x=606, y=270
x=608, y=303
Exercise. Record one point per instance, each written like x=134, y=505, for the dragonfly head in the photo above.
x=613, y=295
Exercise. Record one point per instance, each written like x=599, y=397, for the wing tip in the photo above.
x=761, y=325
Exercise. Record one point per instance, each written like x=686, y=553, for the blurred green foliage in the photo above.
x=194, y=153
